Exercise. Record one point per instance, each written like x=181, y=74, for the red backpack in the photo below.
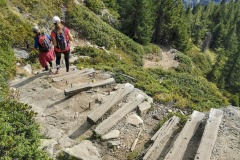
x=44, y=43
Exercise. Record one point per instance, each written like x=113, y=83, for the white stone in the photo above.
x=112, y=134
x=113, y=143
x=170, y=111
x=134, y=120
x=85, y=151
x=143, y=107
x=28, y=68
x=150, y=100
x=115, y=88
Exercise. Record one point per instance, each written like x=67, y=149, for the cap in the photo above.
x=56, y=19
x=35, y=29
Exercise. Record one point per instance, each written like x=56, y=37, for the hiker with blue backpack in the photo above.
x=43, y=43
x=61, y=38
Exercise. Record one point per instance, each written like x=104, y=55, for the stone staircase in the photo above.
x=84, y=101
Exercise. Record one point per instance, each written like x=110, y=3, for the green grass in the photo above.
x=185, y=90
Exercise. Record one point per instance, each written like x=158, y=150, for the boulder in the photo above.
x=21, y=53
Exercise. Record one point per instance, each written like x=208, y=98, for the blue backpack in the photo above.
x=61, y=40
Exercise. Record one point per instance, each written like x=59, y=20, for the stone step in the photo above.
x=180, y=145
x=112, y=100
x=209, y=135
x=75, y=90
x=161, y=138
x=108, y=123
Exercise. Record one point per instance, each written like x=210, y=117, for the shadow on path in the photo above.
x=81, y=130
x=24, y=82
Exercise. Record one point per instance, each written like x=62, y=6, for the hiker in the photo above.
x=43, y=43
x=60, y=37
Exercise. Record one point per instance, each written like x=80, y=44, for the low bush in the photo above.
x=19, y=134
x=183, y=89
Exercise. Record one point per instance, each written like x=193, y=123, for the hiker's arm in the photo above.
x=70, y=36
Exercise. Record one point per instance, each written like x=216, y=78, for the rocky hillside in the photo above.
x=120, y=98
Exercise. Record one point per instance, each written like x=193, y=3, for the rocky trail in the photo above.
x=72, y=106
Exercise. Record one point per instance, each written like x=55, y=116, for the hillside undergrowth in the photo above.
x=181, y=89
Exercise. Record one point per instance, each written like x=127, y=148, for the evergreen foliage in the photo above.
x=137, y=18
x=217, y=27
x=19, y=134
x=171, y=27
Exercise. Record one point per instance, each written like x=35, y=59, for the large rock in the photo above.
x=21, y=53
x=112, y=134
x=84, y=151
x=134, y=120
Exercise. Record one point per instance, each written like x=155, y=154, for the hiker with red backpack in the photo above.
x=60, y=37
x=43, y=43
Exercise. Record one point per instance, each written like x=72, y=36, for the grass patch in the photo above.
x=185, y=90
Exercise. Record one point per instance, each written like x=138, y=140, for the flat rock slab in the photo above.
x=111, y=135
x=134, y=120
x=209, y=135
x=161, y=138
x=180, y=145
x=85, y=151
x=108, y=123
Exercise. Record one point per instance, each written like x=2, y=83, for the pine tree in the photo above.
x=171, y=27
x=137, y=19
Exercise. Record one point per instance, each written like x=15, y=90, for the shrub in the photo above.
x=19, y=134
x=95, y=5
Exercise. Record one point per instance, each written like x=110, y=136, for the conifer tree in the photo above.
x=171, y=27
x=137, y=19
